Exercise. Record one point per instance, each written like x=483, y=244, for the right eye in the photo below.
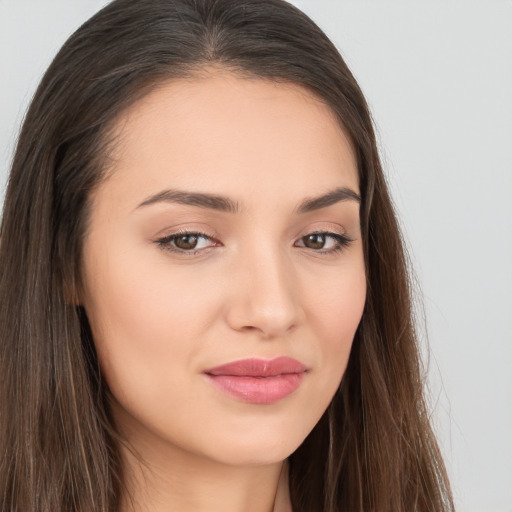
x=186, y=242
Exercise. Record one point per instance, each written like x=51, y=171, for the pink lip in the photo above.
x=258, y=381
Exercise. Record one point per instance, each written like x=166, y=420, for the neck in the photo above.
x=171, y=479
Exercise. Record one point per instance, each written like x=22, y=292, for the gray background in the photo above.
x=438, y=76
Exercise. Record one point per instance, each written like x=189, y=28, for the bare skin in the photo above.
x=175, y=286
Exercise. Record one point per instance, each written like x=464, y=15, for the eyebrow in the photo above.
x=210, y=201
x=225, y=204
x=325, y=200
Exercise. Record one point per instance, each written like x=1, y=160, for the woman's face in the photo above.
x=226, y=232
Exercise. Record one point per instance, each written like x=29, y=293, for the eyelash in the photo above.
x=342, y=242
x=166, y=243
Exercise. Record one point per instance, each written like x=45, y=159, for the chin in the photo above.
x=254, y=454
x=256, y=447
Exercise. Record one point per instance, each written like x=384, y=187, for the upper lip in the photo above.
x=258, y=367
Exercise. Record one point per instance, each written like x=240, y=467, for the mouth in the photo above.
x=258, y=381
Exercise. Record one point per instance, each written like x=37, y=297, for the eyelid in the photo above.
x=326, y=228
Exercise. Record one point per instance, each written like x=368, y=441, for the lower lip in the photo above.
x=258, y=390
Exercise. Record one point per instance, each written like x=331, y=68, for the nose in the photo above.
x=265, y=297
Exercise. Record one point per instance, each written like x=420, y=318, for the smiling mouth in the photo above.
x=258, y=381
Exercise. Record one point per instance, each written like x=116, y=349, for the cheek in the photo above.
x=337, y=313
x=137, y=317
x=343, y=314
x=339, y=299
x=147, y=332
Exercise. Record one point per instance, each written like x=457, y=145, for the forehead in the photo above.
x=227, y=134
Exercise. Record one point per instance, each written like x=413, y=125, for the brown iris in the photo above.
x=314, y=241
x=186, y=242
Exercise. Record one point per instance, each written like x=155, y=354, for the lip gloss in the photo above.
x=258, y=381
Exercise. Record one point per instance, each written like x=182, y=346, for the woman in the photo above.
x=204, y=295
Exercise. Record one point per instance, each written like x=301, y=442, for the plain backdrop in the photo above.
x=438, y=77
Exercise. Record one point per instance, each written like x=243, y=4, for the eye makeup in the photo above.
x=190, y=242
x=318, y=240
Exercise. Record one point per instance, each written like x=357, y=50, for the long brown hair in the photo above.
x=373, y=449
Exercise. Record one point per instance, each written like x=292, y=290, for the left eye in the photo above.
x=323, y=241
